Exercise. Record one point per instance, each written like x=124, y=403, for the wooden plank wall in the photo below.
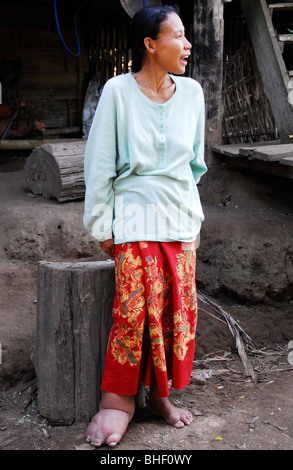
x=51, y=79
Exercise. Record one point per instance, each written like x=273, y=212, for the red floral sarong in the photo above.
x=155, y=317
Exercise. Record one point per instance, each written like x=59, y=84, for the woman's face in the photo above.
x=171, y=48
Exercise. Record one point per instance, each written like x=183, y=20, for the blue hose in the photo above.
x=75, y=28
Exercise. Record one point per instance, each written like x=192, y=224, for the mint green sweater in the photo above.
x=143, y=161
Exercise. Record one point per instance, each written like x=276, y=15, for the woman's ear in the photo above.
x=149, y=44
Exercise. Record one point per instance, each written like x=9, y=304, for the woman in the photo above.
x=143, y=160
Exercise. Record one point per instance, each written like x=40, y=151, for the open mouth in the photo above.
x=184, y=59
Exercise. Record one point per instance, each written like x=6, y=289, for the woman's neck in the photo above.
x=156, y=85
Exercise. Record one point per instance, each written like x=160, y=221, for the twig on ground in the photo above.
x=237, y=332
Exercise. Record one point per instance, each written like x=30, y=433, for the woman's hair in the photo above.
x=147, y=23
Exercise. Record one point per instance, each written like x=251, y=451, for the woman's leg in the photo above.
x=110, y=423
x=122, y=364
x=178, y=417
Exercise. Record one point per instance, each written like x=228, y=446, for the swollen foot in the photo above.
x=107, y=427
x=111, y=422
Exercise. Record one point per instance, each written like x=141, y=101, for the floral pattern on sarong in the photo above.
x=185, y=318
x=148, y=290
x=129, y=302
x=159, y=310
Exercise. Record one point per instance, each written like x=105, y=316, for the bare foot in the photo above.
x=110, y=423
x=107, y=427
x=178, y=417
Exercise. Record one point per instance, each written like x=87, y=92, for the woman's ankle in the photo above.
x=118, y=402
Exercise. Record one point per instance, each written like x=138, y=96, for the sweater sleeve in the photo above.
x=100, y=168
x=198, y=165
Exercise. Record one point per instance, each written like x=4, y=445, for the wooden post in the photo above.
x=270, y=63
x=74, y=318
x=207, y=50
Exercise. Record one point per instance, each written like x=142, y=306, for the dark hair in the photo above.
x=147, y=23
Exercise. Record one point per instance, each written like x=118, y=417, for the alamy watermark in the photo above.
x=0, y=93
x=134, y=220
x=0, y=354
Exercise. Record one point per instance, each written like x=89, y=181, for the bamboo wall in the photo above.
x=247, y=115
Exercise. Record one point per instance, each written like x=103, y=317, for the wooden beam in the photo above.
x=271, y=168
x=287, y=161
x=207, y=50
x=232, y=150
x=270, y=63
x=27, y=144
x=281, y=6
x=285, y=38
x=259, y=156
x=268, y=153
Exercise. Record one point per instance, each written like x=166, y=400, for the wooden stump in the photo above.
x=74, y=318
x=57, y=170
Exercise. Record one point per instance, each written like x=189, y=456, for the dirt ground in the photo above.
x=245, y=264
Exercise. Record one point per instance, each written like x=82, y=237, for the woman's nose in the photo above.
x=187, y=44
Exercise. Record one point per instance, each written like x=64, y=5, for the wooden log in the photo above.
x=57, y=170
x=74, y=317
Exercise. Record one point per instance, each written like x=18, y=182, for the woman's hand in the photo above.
x=108, y=247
